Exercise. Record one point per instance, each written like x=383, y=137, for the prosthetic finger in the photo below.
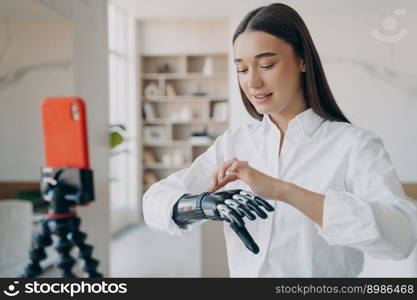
x=251, y=204
x=244, y=235
x=258, y=200
x=235, y=205
x=243, y=210
x=235, y=213
x=264, y=203
x=230, y=215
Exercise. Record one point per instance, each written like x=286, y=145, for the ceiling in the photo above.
x=203, y=8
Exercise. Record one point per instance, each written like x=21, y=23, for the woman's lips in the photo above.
x=262, y=99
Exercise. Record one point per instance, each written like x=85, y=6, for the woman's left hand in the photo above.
x=261, y=184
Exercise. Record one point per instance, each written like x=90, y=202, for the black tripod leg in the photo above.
x=61, y=227
x=84, y=250
x=37, y=253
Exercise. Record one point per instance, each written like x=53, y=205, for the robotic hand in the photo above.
x=230, y=206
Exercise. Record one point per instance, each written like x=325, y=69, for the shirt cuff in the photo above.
x=347, y=220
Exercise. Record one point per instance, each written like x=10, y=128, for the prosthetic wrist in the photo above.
x=188, y=209
x=230, y=206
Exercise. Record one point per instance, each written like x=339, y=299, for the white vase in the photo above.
x=208, y=66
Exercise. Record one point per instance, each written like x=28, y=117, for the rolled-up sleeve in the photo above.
x=373, y=215
x=160, y=198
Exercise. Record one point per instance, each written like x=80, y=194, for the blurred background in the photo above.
x=159, y=83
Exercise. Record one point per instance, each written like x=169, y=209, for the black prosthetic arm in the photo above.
x=230, y=206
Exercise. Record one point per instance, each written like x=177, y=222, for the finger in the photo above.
x=247, y=212
x=225, y=181
x=234, y=205
x=244, y=235
x=223, y=211
x=238, y=165
x=213, y=182
x=258, y=200
x=229, y=214
x=222, y=170
x=264, y=203
x=234, y=168
x=252, y=205
x=234, y=216
x=243, y=210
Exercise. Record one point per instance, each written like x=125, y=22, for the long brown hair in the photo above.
x=285, y=23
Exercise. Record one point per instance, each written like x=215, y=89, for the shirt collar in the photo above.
x=307, y=121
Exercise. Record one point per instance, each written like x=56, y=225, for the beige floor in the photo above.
x=140, y=252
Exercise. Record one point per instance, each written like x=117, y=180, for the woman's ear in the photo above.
x=302, y=65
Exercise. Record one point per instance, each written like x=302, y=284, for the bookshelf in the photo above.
x=184, y=101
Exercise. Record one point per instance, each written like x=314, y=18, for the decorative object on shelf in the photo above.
x=220, y=111
x=164, y=68
x=149, y=157
x=149, y=110
x=149, y=178
x=197, y=114
x=174, y=116
x=199, y=92
x=166, y=159
x=200, y=138
x=178, y=158
x=208, y=66
x=117, y=139
x=155, y=134
x=152, y=91
x=185, y=114
x=170, y=90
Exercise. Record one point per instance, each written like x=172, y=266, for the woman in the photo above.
x=335, y=191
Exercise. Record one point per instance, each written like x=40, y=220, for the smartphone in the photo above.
x=64, y=123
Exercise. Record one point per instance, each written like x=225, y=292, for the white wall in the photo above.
x=191, y=36
x=36, y=62
x=374, y=83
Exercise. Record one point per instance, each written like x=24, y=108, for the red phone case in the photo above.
x=65, y=133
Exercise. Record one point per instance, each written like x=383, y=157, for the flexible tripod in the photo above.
x=64, y=188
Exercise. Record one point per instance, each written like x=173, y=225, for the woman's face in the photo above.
x=268, y=71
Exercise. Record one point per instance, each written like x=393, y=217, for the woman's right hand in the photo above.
x=260, y=183
x=221, y=177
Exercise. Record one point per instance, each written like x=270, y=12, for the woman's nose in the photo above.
x=254, y=80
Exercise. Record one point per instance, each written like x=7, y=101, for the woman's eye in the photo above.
x=241, y=71
x=268, y=66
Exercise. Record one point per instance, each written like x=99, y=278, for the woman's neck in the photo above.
x=282, y=118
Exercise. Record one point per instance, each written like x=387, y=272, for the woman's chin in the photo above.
x=262, y=110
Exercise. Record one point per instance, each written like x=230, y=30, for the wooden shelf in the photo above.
x=179, y=89
x=183, y=76
x=193, y=121
x=185, y=99
x=166, y=144
x=184, y=143
x=162, y=166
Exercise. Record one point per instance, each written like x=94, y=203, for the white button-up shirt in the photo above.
x=365, y=208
